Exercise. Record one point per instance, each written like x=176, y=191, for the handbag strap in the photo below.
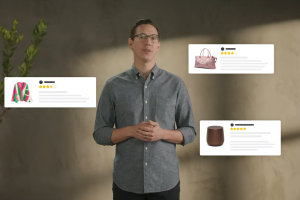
x=209, y=55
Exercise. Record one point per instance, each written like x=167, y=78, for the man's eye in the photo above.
x=153, y=38
x=142, y=36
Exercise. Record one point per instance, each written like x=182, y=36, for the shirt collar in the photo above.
x=135, y=72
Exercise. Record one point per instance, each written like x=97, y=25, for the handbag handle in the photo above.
x=209, y=55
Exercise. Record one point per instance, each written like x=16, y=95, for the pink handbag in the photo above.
x=207, y=62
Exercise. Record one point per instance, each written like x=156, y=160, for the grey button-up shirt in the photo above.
x=128, y=99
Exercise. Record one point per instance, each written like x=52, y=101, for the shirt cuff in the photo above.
x=103, y=136
x=188, y=135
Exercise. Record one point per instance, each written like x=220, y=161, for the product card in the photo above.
x=240, y=138
x=46, y=92
x=231, y=59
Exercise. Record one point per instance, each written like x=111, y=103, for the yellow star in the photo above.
x=225, y=52
x=232, y=53
x=221, y=53
x=234, y=128
x=47, y=86
x=231, y=129
x=238, y=128
x=244, y=128
x=43, y=86
x=40, y=86
x=51, y=86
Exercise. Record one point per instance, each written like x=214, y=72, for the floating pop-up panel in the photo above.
x=232, y=137
x=44, y=92
x=231, y=59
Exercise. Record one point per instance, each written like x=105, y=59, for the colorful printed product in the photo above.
x=21, y=93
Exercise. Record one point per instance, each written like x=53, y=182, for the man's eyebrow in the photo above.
x=146, y=34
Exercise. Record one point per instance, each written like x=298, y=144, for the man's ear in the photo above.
x=130, y=43
x=158, y=46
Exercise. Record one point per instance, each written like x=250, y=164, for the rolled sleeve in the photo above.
x=105, y=117
x=184, y=115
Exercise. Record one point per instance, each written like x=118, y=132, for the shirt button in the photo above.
x=146, y=164
x=146, y=148
x=145, y=101
x=146, y=117
x=135, y=78
x=146, y=86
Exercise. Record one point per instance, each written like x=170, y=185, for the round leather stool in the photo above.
x=215, y=135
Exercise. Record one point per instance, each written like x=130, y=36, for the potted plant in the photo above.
x=10, y=45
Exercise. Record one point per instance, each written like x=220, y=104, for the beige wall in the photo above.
x=50, y=153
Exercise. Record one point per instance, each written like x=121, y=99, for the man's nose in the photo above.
x=148, y=40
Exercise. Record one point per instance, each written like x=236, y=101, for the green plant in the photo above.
x=10, y=44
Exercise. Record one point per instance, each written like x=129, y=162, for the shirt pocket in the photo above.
x=165, y=111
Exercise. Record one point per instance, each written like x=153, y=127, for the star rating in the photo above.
x=228, y=53
x=47, y=86
x=238, y=129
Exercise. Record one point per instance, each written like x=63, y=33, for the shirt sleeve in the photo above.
x=105, y=117
x=184, y=115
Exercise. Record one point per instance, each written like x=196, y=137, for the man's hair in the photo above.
x=140, y=22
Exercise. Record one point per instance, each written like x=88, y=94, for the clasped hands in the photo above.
x=148, y=131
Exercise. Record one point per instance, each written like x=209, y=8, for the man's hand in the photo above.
x=149, y=132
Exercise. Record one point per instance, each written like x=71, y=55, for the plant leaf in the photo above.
x=11, y=69
x=5, y=55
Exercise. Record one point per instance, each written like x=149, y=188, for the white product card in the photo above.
x=46, y=92
x=241, y=138
x=231, y=59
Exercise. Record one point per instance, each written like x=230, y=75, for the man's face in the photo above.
x=144, y=50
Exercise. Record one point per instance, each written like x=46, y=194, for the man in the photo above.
x=144, y=103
